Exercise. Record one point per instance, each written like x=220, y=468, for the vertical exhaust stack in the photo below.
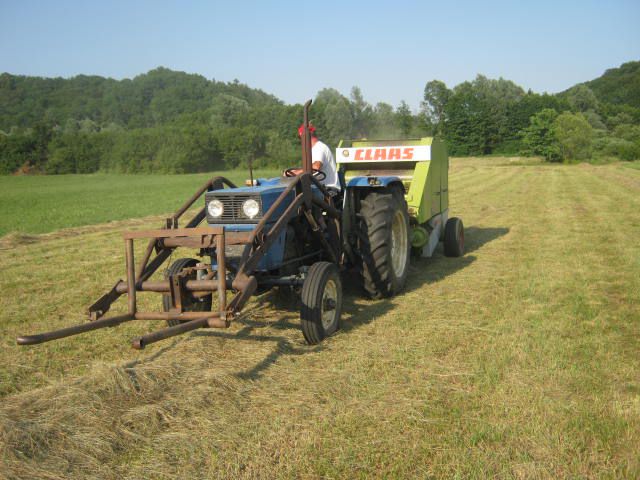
x=306, y=141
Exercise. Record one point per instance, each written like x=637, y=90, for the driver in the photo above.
x=322, y=159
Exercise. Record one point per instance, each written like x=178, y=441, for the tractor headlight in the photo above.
x=215, y=208
x=250, y=208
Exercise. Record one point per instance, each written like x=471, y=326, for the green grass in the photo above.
x=635, y=164
x=518, y=360
x=41, y=204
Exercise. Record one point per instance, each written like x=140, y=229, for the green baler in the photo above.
x=422, y=165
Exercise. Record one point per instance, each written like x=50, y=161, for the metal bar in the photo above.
x=165, y=253
x=334, y=250
x=103, y=304
x=327, y=208
x=301, y=258
x=163, y=286
x=141, y=342
x=197, y=218
x=155, y=264
x=306, y=141
x=204, y=241
x=191, y=201
x=246, y=286
x=246, y=254
x=198, y=193
x=176, y=293
x=207, y=241
x=222, y=277
x=305, y=189
x=273, y=234
x=145, y=259
x=283, y=220
x=290, y=281
x=319, y=233
x=173, y=315
x=215, y=322
x=74, y=330
x=272, y=209
x=131, y=276
x=174, y=232
x=321, y=186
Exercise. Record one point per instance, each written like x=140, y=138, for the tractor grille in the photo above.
x=232, y=203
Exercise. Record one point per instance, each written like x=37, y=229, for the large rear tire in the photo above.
x=321, y=302
x=383, y=242
x=189, y=302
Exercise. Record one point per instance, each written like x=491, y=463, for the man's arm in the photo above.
x=316, y=165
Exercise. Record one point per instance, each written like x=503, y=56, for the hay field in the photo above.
x=519, y=360
x=41, y=204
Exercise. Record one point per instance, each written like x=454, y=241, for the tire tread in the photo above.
x=311, y=295
x=376, y=214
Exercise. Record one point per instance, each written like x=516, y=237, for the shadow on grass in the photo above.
x=423, y=271
x=283, y=344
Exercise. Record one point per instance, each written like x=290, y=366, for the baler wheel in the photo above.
x=454, y=238
x=321, y=302
x=190, y=303
x=383, y=242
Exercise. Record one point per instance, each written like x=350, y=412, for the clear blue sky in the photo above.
x=293, y=49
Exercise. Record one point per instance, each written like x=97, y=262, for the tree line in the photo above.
x=488, y=116
x=173, y=122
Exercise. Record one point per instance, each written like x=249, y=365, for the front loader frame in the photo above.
x=162, y=243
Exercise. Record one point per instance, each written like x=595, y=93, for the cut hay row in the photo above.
x=518, y=360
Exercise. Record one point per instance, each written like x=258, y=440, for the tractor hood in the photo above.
x=232, y=209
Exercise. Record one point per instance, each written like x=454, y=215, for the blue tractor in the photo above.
x=289, y=232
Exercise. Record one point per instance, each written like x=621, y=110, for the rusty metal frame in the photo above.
x=165, y=240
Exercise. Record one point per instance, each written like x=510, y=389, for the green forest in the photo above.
x=173, y=122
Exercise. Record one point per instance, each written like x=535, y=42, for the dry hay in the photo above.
x=518, y=360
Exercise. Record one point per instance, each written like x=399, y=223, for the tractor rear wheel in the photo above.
x=454, y=237
x=321, y=302
x=190, y=303
x=383, y=242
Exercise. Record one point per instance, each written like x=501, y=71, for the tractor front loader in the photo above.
x=256, y=218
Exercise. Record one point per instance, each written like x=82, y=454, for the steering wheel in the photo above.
x=318, y=174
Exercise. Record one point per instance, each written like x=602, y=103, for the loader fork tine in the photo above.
x=137, y=281
x=210, y=321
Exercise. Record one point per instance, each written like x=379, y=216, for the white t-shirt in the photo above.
x=321, y=153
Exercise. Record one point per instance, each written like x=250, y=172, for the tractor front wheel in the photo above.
x=321, y=302
x=383, y=242
x=190, y=303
